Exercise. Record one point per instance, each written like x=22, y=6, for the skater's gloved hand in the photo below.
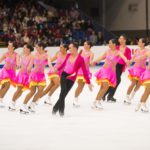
x=93, y=63
x=18, y=66
x=54, y=70
x=128, y=63
x=28, y=70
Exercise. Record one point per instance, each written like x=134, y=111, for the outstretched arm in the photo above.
x=18, y=60
x=91, y=58
x=140, y=57
x=55, y=57
x=2, y=58
x=123, y=57
x=31, y=63
x=99, y=59
x=49, y=62
x=64, y=63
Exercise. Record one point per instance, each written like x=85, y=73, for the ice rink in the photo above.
x=116, y=127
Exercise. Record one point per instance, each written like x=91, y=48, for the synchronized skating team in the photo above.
x=72, y=66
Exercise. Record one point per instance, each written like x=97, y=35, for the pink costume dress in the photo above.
x=80, y=72
x=37, y=76
x=8, y=72
x=145, y=78
x=108, y=71
x=59, y=62
x=22, y=78
x=139, y=67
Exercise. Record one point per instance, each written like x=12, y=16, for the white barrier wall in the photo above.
x=97, y=50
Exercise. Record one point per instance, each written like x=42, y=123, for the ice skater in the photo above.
x=55, y=76
x=106, y=76
x=88, y=58
x=136, y=70
x=8, y=72
x=71, y=65
x=145, y=78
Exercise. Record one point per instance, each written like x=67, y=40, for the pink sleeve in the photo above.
x=85, y=73
x=128, y=53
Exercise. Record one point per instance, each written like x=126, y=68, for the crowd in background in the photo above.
x=28, y=22
x=34, y=21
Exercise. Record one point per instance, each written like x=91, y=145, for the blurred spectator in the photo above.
x=74, y=13
x=26, y=38
x=93, y=38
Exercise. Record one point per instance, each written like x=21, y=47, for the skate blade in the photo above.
x=143, y=111
x=127, y=103
x=31, y=111
x=76, y=106
x=46, y=103
x=96, y=108
x=23, y=112
x=99, y=109
x=11, y=109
